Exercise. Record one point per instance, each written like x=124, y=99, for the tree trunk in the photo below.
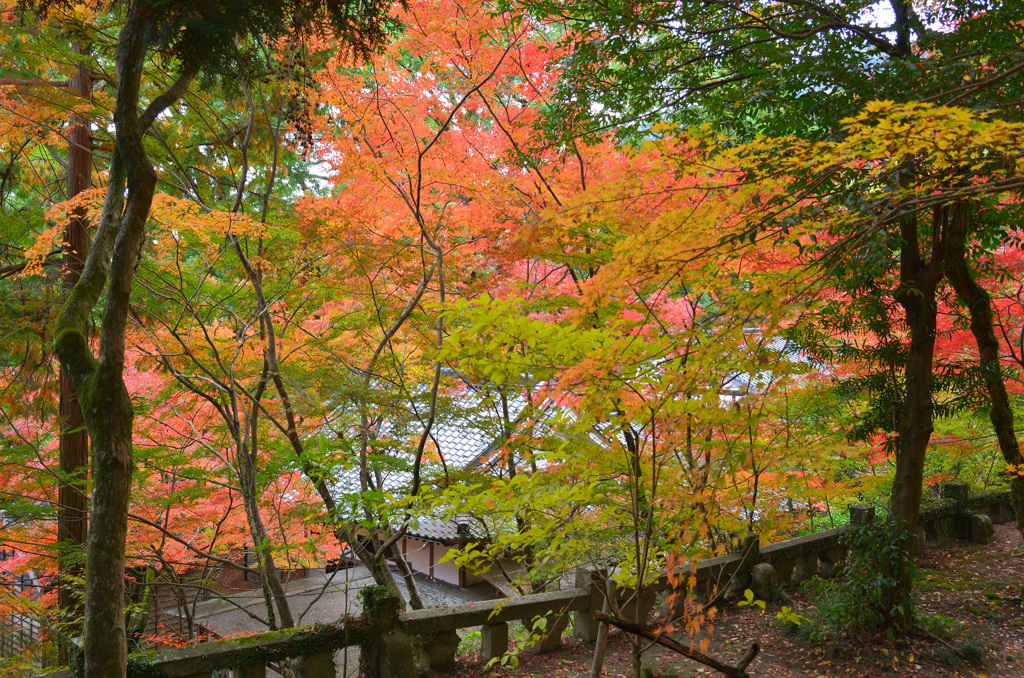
x=72, y=518
x=108, y=411
x=106, y=405
x=415, y=600
x=979, y=306
x=270, y=579
x=916, y=294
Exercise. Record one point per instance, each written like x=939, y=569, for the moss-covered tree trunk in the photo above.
x=979, y=306
x=193, y=35
x=919, y=279
x=106, y=405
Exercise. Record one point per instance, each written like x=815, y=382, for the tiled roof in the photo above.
x=446, y=532
x=464, y=438
x=785, y=350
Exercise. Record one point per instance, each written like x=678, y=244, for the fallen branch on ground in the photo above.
x=738, y=671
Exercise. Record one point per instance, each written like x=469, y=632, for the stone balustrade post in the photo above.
x=250, y=671
x=784, y=569
x=550, y=638
x=956, y=490
x=440, y=648
x=316, y=665
x=584, y=626
x=493, y=641
x=763, y=579
x=862, y=514
x=826, y=565
x=395, y=658
x=635, y=606
x=981, y=529
x=387, y=651
x=806, y=567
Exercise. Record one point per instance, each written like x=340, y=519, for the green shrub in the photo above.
x=858, y=602
x=972, y=652
x=967, y=651
x=947, y=656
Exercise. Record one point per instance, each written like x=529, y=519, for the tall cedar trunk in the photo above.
x=979, y=306
x=72, y=518
x=918, y=283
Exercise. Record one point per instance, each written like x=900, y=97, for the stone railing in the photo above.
x=961, y=514
x=382, y=638
x=438, y=628
x=957, y=514
x=383, y=633
x=761, y=568
x=246, y=657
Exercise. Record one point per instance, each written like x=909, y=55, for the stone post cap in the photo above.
x=862, y=514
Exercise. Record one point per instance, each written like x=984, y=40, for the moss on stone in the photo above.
x=935, y=509
x=986, y=497
x=235, y=653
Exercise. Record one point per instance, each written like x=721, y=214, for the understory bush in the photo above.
x=864, y=598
